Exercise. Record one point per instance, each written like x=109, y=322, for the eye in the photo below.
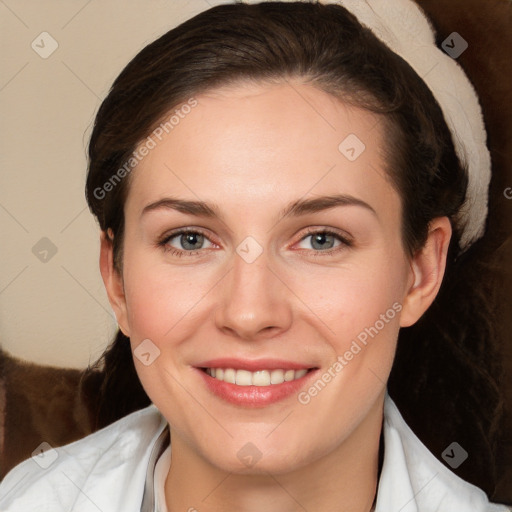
x=185, y=242
x=324, y=241
x=190, y=242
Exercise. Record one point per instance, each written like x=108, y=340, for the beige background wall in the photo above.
x=53, y=307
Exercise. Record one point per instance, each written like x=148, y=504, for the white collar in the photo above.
x=412, y=479
x=113, y=469
x=161, y=469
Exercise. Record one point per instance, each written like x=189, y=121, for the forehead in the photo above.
x=252, y=142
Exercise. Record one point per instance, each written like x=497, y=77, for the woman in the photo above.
x=279, y=197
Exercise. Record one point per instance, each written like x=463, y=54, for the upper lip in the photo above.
x=253, y=365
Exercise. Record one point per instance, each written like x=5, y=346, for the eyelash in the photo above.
x=345, y=242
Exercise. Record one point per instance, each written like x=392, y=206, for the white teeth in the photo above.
x=229, y=375
x=289, y=375
x=258, y=378
x=276, y=376
x=243, y=378
x=261, y=378
x=300, y=373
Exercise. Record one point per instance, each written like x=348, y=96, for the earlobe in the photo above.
x=427, y=272
x=113, y=281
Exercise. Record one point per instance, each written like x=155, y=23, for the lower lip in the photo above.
x=254, y=396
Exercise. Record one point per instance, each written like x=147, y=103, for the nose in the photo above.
x=254, y=302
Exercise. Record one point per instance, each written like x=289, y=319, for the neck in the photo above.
x=344, y=480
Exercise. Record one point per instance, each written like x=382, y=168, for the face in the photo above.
x=291, y=279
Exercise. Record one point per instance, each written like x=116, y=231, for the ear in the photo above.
x=427, y=271
x=113, y=281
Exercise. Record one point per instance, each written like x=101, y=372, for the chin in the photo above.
x=261, y=457
x=275, y=464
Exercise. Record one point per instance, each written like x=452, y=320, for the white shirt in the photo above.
x=162, y=468
x=113, y=470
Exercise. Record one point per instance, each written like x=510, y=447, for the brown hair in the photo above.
x=445, y=367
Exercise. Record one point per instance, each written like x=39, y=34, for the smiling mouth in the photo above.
x=257, y=378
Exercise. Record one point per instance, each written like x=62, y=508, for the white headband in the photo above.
x=404, y=28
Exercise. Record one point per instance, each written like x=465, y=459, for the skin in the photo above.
x=252, y=149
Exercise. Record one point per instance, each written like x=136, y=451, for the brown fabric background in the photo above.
x=487, y=27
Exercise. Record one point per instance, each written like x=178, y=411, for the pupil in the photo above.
x=322, y=240
x=189, y=240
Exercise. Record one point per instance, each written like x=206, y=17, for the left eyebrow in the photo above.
x=317, y=204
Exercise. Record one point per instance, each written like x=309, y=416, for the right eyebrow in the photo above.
x=198, y=208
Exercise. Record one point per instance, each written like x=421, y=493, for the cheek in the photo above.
x=360, y=306
x=353, y=298
x=161, y=298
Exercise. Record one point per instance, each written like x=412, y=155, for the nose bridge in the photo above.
x=253, y=300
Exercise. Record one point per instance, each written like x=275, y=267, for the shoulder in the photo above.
x=414, y=480
x=101, y=471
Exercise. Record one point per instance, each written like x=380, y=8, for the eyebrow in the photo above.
x=295, y=209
